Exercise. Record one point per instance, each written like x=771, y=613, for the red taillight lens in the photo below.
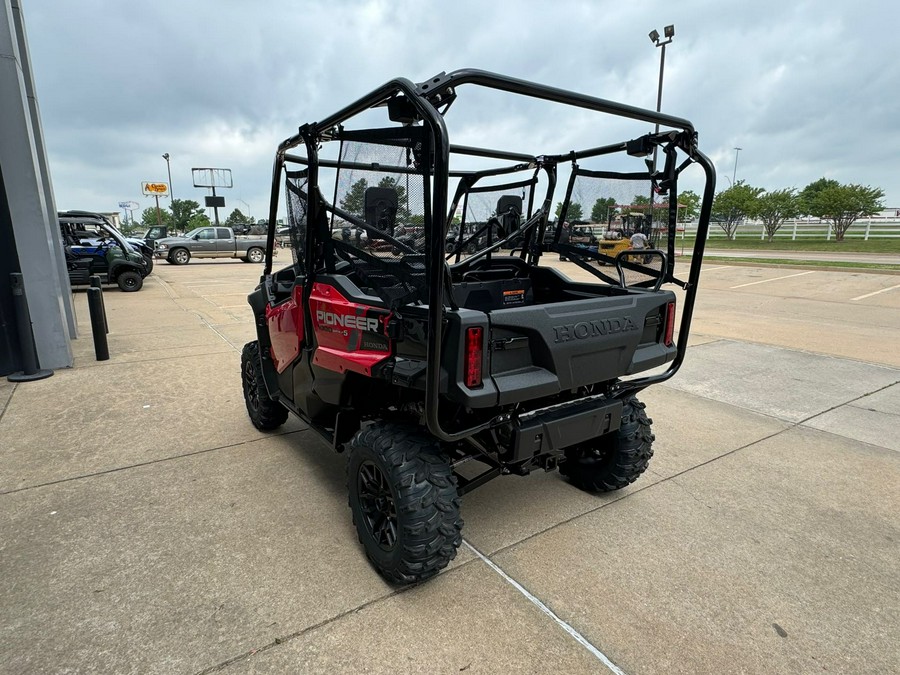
x=670, y=323
x=474, y=355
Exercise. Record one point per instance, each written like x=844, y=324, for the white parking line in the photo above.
x=869, y=295
x=549, y=612
x=765, y=281
x=710, y=269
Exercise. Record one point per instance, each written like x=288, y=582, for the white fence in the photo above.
x=868, y=228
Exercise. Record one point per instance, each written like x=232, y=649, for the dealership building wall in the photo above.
x=29, y=232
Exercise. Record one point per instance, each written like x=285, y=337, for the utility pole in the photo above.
x=169, y=170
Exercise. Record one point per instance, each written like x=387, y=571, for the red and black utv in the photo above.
x=418, y=352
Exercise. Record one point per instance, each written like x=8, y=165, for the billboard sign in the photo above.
x=155, y=189
x=212, y=178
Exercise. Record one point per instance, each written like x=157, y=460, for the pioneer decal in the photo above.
x=594, y=328
x=350, y=321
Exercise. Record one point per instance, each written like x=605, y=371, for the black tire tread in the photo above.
x=268, y=414
x=632, y=451
x=138, y=281
x=430, y=527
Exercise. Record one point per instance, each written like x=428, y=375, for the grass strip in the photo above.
x=796, y=263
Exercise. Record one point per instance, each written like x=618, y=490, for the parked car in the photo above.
x=210, y=242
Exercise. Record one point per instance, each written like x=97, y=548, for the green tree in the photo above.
x=354, y=201
x=774, y=207
x=183, y=210
x=688, y=205
x=236, y=218
x=808, y=195
x=603, y=210
x=148, y=217
x=844, y=204
x=574, y=212
x=198, y=220
x=731, y=206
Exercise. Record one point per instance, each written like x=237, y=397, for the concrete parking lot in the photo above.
x=147, y=527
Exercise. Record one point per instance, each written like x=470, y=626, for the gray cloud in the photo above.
x=806, y=89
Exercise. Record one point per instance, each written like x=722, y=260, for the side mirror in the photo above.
x=196, y=237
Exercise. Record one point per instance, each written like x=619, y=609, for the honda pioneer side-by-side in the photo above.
x=445, y=347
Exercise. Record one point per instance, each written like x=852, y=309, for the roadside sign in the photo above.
x=155, y=189
x=129, y=206
x=212, y=178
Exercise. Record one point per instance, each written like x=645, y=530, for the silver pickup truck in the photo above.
x=210, y=242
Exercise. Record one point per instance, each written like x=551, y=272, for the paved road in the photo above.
x=146, y=526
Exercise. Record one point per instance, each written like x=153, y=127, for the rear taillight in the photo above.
x=670, y=323
x=473, y=356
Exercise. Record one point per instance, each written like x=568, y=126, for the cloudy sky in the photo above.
x=806, y=89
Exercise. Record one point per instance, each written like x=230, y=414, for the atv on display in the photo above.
x=93, y=246
x=86, y=229
x=438, y=367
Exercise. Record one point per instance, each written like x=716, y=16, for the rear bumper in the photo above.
x=556, y=429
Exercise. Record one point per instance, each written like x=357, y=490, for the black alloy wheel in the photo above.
x=404, y=501
x=376, y=501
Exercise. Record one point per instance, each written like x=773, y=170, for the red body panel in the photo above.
x=285, y=322
x=350, y=337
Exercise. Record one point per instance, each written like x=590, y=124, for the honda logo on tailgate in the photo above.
x=593, y=328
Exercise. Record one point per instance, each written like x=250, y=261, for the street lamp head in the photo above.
x=654, y=36
x=166, y=156
x=669, y=31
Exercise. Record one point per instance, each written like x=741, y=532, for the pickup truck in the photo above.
x=210, y=242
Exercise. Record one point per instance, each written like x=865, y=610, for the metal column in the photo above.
x=28, y=201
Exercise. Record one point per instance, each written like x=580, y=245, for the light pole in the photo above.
x=734, y=175
x=669, y=32
x=169, y=170
x=247, y=205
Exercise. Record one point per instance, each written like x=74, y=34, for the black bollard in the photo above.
x=95, y=283
x=95, y=305
x=32, y=370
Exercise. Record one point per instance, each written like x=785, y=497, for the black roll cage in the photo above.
x=427, y=98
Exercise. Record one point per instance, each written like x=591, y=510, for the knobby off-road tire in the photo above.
x=129, y=281
x=148, y=259
x=404, y=501
x=615, y=460
x=265, y=413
